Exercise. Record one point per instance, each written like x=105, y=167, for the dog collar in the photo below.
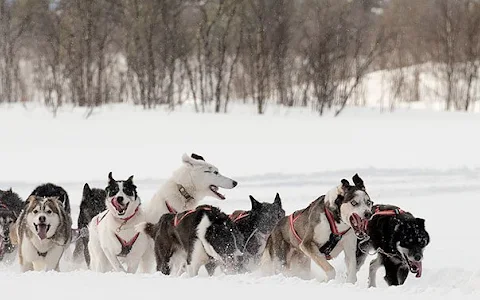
x=184, y=192
x=134, y=213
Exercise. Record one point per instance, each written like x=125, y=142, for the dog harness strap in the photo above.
x=2, y=205
x=170, y=209
x=333, y=225
x=126, y=246
x=100, y=220
x=177, y=221
x=134, y=213
x=389, y=212
x=292, y=220
x=239, y=217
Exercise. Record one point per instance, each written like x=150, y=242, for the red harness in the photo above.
x=170, y=209
x=331, y=221
x=180, y=216
x=242, y=215
x=390, y=212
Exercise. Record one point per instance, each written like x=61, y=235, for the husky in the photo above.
x=329, y=225
x=93, y=203
x=113, y=240
x=193, y=181
x=399, y=239
x=191, y=239
x=10, y=207
x=255, y=226
x=43, y=232
x=52, y=190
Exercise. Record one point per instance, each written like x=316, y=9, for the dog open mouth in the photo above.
x=121, y=210
x=214, y=189
x=414, y=266
x=359, y=225
x=42, y=230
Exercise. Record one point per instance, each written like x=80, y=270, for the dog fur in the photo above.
x=285, y=253
x=10, y=207
x=52, y=190
x=401, y=238
x=255, y=225
x=93, y=203
x=113, y=239
x=191, y=239
x=198, y=179
x=44, y=232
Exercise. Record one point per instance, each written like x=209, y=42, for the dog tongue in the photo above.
x=42, y=231
x=419, y=268
x=117, y=205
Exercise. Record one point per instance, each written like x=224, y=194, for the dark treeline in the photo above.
x=313, y=53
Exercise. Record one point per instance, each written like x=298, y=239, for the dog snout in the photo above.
x=42, y=219
x=235, y=183
x=120, y=200
x=368, y=214
x=418, y=257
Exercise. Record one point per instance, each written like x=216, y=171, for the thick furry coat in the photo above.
x=10, y=207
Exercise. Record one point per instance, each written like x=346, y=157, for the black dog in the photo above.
x=399, y=238
x=191, y=238
x=52, y=190
x=10, y=207
x=93, y=203
x=255, y=225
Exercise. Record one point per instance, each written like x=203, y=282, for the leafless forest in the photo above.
x=313, y=53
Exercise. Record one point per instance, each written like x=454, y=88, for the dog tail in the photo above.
x=147, y=228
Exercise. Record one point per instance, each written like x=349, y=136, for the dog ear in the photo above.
x=197, y=157
x=277, y=200
x=110, y=177
x=86, y=189
x=420, y=222
x=187, y=159
x=358, y=181
x=255, y=203
x=130, y=179
x=343, y=188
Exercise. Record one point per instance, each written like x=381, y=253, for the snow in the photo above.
x=425, y=162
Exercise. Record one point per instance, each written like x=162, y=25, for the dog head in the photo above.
x=7, y=218
x=121, y=197
x=225, y=238
x=412, y=238
x=355, y=205
x=266, y=214
x=43, y=215
x=204, y=177
x=95, y=198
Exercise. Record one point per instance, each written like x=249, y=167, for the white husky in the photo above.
x=113, y=238
x=193, y=181
x=188, y=185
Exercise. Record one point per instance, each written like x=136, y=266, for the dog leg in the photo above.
x=133, y=266
x=114, y=262
x=27, y=266
x=197, y=258
x=372, y=271
x=349, y=245
x=311, y=250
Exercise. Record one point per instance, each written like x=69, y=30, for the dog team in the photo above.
x=173, y=234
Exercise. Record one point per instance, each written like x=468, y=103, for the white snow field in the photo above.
x=426, y=162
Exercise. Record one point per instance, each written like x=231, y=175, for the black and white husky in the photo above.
x=113, y=240
x=399, y=238
x=193, y=238
x=93, y=203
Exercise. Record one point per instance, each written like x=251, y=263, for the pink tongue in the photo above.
x=116, y=204
x=42, y=231
x=419, y=269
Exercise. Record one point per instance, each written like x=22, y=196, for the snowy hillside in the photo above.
x=427, y=163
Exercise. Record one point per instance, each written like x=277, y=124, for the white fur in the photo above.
x=104, y=246
x=195, y=176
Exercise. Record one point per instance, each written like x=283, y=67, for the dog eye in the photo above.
x=354, y=203
x=35, y=211
x=216, y=172
x=369, y=203
x=48, y=211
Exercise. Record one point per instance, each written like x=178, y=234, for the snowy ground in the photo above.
x=427, y=163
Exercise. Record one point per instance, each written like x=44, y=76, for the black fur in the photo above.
x=93, y=203
x=52, y=190
x=385, y=232
x=222, y=234
x=129, y=188
x=10, y=207
x=197, y=157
